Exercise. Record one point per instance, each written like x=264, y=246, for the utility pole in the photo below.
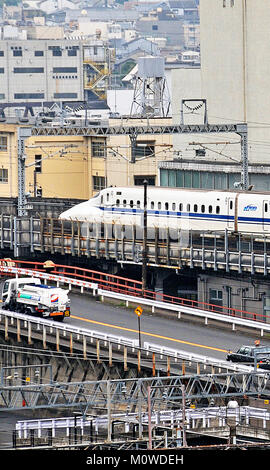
x=144, y=250
x=23, y=133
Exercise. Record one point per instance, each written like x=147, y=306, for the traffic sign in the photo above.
x=138, y=310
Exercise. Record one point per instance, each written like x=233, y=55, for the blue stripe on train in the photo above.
x=197, y=215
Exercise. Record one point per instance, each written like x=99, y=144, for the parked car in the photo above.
x=250, y=354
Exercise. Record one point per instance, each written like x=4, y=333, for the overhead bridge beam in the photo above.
x=139, y=130
x=132, y=132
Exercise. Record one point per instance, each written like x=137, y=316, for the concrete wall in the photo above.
x=251, y=295
x=235, y=65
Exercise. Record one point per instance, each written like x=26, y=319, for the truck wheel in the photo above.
x=59, y=318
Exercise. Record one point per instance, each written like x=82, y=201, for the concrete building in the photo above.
x=41, y=70
x=149, y=152
x=53, y=70
x=233, y=79
x=56, y=167
x=162, y=23
x=76, y=167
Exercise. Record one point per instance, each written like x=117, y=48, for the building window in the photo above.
x=72, y=52
x=200, y=152
x=39, y=53
x=145, y=148
x=64, y=69
x=28, y=70
x=3, y=175
x=198, y=179
x=99, y=182
x=65, y=95
x=17, y=53
x=3, y=143
x=154, y=27
x=215, y=296
x=1, y=53
x=56, y=52
x=138, y=180
x=38, y=163
x=98, y=148
x=26, y=96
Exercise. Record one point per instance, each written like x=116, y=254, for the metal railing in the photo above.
x=83, y=277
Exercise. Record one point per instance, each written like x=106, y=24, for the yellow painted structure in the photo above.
x=76, y=167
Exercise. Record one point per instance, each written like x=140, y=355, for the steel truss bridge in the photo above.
x=131, y=395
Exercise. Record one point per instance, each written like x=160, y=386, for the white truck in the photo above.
x=29, y=296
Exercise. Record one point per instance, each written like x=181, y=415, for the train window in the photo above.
x=210, y=209
x=231, y=204
x=108, y=196
x=159, y=205
x=173, y=206
x=195, y=208
x=124, y=202
x=131, y=203
x=118, y=202
x=217, y=209
x=152, y=205
x=166, y=206
x=188, y=207
x=101, y=200
x=138, y=203
x=118, y=193
x=181, y=207
x=265, y=207
x=203, y=208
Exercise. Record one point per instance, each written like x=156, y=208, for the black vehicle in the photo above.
x=251, y=354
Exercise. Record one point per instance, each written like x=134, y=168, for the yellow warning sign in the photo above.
x=138, y=310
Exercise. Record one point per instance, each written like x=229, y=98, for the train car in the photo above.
x=173, y=208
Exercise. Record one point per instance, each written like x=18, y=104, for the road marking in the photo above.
x=148, y=334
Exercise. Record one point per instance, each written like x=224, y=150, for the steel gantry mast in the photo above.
x=133, y=132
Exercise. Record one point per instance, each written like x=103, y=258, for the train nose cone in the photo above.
x=81, y=212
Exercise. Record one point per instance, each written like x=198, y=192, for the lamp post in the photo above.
x=144, y=250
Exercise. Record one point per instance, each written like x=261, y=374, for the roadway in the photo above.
x=174, y=333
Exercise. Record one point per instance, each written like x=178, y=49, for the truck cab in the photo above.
x=12, y=285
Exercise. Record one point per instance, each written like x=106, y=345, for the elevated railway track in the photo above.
x=215, y=251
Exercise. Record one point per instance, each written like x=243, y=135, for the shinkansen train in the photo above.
x=187, y=209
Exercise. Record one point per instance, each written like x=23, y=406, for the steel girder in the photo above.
x=132, y=394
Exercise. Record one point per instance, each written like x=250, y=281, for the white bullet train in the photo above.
x=186, y=209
